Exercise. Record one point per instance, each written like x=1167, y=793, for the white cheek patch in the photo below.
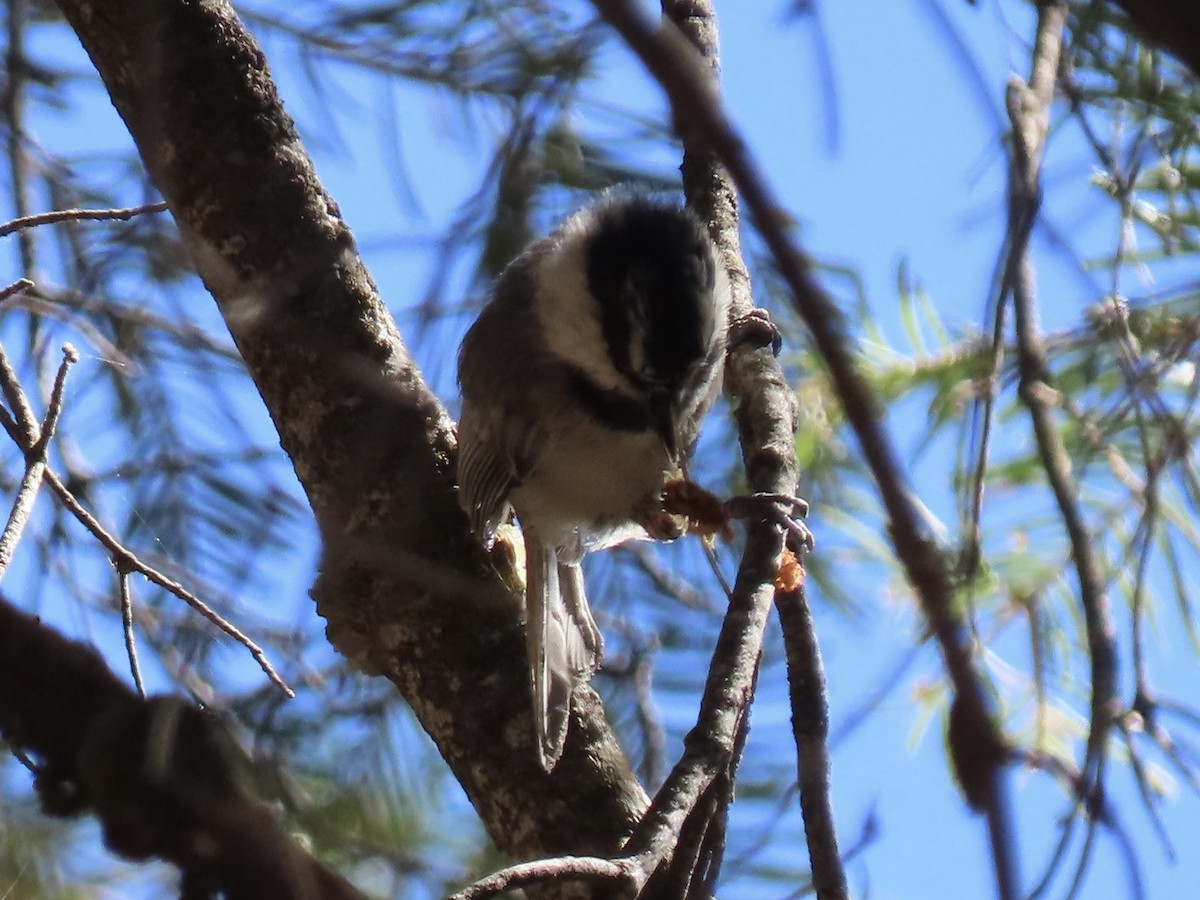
x=568, y=312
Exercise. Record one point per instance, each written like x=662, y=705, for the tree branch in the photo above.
x=810, y=729
x=692, y=92
x=157, y=773
x=1029, y=112
x=709, y=188
x=404, y=587
x=79, y=215
x=35, y=456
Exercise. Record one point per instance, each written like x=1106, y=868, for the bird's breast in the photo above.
x=595, y=480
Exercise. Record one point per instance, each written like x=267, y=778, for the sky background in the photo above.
x=883, y=145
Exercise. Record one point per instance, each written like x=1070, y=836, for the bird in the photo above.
x=584, y=381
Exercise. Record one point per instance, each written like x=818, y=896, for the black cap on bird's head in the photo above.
x=650, y=267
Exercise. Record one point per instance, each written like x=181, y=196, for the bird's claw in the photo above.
x=785, y=510
x=755, y=328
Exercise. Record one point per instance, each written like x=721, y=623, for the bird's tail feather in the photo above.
x=562, y=641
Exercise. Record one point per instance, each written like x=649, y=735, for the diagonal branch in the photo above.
x=403, y=586
x=1029, y=113
x=33, y=441
x=35, y=456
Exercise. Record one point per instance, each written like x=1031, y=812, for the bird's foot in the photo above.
x=757, y=329
x=785, y=510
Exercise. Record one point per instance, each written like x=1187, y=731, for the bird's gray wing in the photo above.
x=485, y=475
x=500, y=371
x=496, y=451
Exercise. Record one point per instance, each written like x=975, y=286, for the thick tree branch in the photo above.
x=157, y=773
x=403, y=585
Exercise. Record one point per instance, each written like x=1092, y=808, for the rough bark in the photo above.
x=404, y=588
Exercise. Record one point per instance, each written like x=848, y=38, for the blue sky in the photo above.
x=912, y=170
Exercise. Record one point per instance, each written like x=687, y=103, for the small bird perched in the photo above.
x=584, y=381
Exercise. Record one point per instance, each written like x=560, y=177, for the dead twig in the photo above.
x=21, y=284
x=35, y=458
x=23, y=430
x=127, y=627
x=79, y=215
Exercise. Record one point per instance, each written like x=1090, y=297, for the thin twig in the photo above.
x=127, y=560
x=55, y=407
x=26, y=422
x=21, y=284
x=62, y=301
x=1028, y=108
x=667, y=582
x=654, y=736
x=30, y=301
x=127, y=626
x=35, y=463
x=1149, y=799
x=810, y=730
x=715, y=839
x=984, y=419
x=27, y=492
x=714, y=565
x=77, y=215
